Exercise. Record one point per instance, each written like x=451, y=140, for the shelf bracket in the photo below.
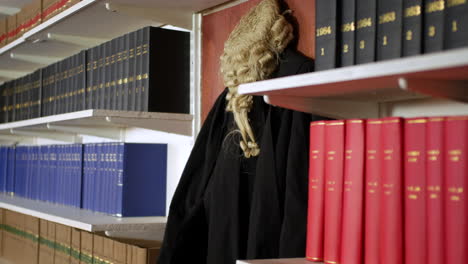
x=44, y=60
x=71, y=138
x=168, y=16
x=7, y=74
x=75, y=40
x=104, y=132
x=340, y=109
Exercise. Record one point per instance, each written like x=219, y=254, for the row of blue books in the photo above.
x=122, y=179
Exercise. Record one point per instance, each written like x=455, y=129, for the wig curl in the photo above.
x=251, y=54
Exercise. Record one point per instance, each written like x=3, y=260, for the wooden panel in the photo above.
x=216, y=28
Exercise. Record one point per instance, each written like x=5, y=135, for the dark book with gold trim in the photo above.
x=348, y=30
x=326, y=37
x=366, y=30
x=389, y=29
x=456, y=24
x=412, y=27
x=433, y=25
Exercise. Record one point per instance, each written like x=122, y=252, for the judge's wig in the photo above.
x=251, y=54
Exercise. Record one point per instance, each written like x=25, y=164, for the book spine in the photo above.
x=415, y=190
x=353, y=190
x=122, y=57
x=456, y=184
x=107, y=74
x=365, y=30
x=126, y=73
x=96, y=79
x=145, y=58
x=101, y=77
x=315, y=222
x=391, y=216
x=89, y=78
x=435, y=185
x=433, y=25
x=456, y=24
x=348, y=30
x=114, y=80
x=133, y=72
x=412, y=27
x=389, y=29
x=326, y=34
x=120, y=177
x=334, y=149
x=82, y=81
x=139, y=70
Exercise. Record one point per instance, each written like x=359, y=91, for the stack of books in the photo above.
x=353, y=32
x=388, y=190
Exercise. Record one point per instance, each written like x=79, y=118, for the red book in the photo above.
x=351, y=248
x=334, y=149
x=456, y=185
x=434, y=183
x=391, y=203
x=415, y=190
x=372, y=191
x=314, y=251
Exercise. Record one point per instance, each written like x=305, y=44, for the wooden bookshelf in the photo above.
x=366, y=91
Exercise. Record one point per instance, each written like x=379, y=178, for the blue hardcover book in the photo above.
x=10, y=183
x=114, y=178
x=97, y=194
x=3, y=168
x=47, y=169
x=143, y=182
x=18, y=172
x=79, y=174
x=53, y=173
x=105, y=179
x=40, y=170
x=87, y=157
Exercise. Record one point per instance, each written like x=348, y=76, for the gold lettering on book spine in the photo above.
x=348, y=27
x=387, y=17
x=451, y=3
x=435, y=6
x=324, y=31
x=413, y=11
x=365, y=22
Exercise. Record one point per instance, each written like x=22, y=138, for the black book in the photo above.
x=412, y=27
x=326, y=37
x=12, y=101
x=348, y=30
x=102, y=76
x=107, y=74
x=66, y=86
x=126, y=73
x=89, y=78
x=81, y=80
x=3, y=101
x=389, y=29
x=139, y=71
x=456, y=24
x=55, y=96
x=45, y=80
x=366, y=30
x=95, y=75
x=168, y=73
x=36, y=94
x=16, y=100
x=113, y=73
x=145, y=58
x=132, y=72
x=121, y=57
x=70, y=84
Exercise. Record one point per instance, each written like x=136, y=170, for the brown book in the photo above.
x=75, y=246
x=86, y=253
x=12, y=33
x=31, y=246
x=30, y=15
x=3, y=32
x=46, y=251
x=62, y=244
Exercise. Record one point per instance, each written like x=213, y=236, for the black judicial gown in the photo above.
x=227, y=207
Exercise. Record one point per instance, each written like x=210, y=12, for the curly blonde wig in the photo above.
x=251, y=54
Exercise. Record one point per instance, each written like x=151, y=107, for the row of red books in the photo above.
x=388, y=191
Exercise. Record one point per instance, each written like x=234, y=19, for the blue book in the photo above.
x=87, y=158
x=40, y=174
x=77, y=172
x=47, y=173
x=10, y=183
x=53, y=174
x=114, y=178
x=142, y=185
x=3, y=167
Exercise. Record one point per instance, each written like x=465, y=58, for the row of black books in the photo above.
x=146, y=70
x=352, y=32
x=120, y=179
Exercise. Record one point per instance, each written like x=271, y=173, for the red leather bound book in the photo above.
x=314, y=249
x=334, y=149
x=351, y=248
x=415, y=190
x=391, y=214
x=456, y=186
x=372, y=191
x=434, y=183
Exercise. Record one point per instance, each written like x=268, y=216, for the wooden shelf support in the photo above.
x=163, y=15
x=75, y=40
x=43, y=60
x=104, y=132
x=71, y=138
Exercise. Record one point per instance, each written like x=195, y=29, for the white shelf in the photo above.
x=90, y=19
x=362, y=90
x=101, y=123
x=79, y=218
x=276, y=261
